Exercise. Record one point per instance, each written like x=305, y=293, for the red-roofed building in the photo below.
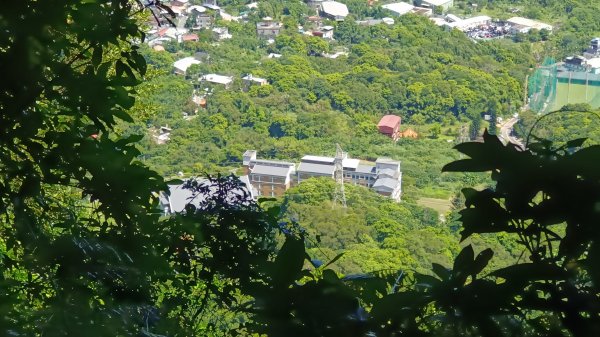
x=190, y=37
x=162, y=31
x=389, y=125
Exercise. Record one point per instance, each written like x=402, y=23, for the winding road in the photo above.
x=505, y=133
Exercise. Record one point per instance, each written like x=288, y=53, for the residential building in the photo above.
x=334, y=10
x=268, y=29
x=196, y=10
x=325, y=32
x=593, y=50
x=250, y=80
x=269, y=178
x=375, y=22
x=204, y=20
x=178, y=8
x=179, y=3
x=181, y=66
x=524, y=25
x=162, y=135
x=316, y=4
x=210, y=3
x=423, y=11
x=221, y=33
x=202, y=56
x=389, y=125
x=399, y=8
x=217, y=79
x=445, y=4
x=190, y=38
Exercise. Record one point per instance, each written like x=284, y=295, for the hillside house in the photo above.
x=389, y=125
x=325, y=32
x=524, y=25
x=211, y=3
x=399, y=8
x=204, y=20
x=195, y=10
x=334, y=10
x=316, y=4
x=221, y=33
x=593, y=50
x=226, y=81
x=444, y=4
x=268, y=29
x=181, y=66
x=190, y=38
x=250, y=80
x=162, y=135
x=179, y=3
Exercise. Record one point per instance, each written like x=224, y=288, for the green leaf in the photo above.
x=441, y=271
x=467, y=165
x=398, y=307
x=289, y=261
x=575, y=143
x=464, y=259
x=522, y=274
x=482, y=260
x=97, y=56
x=120, y=68
x=337, y=257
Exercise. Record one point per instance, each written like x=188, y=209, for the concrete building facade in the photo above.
x=274, y=177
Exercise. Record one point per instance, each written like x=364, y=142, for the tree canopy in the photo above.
x=84, y=249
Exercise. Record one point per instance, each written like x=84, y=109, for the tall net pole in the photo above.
x=339, y=196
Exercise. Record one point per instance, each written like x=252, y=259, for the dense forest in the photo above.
x=85, y=250
x=440, y=82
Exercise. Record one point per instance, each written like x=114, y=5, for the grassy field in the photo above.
x=442, y=206
x=576, y=93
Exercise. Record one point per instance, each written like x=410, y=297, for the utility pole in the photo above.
x=463, y=134
x=339, y=196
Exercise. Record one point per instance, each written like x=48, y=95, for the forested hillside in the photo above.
x=94, y=125
x=314, y=102
x=440, y=82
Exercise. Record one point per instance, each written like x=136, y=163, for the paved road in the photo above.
x=506, y=130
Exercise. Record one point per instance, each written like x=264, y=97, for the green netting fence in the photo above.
x=542, y=86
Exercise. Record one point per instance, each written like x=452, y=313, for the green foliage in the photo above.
x=70, y=266
x=374, y=232
x=83, y=249
x=545, y=196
